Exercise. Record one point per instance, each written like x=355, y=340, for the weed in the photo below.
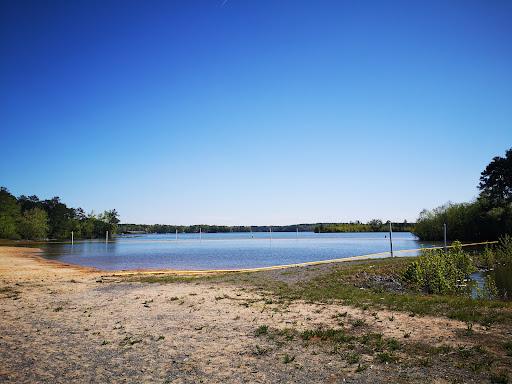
x=288, y=359
x=262, y=330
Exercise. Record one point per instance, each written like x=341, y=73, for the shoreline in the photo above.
x=35, y=254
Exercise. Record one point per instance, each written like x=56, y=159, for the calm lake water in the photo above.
x=225, y=250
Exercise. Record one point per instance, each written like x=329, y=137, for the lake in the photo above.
x=225, y=250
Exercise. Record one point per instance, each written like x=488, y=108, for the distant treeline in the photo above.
x=487, y=218
x=28, y=217
x=164, y=228
x=372, y=226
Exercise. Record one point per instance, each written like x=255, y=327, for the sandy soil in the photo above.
x=61, y=324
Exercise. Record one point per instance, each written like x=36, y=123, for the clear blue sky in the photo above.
x=253, y=112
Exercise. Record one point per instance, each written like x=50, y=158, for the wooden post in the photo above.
x=391, y=238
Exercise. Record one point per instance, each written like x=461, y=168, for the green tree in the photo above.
x=33, y=224
x=9, y=215
x=496, y=180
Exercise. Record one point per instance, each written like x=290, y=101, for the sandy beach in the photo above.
x=61, y=324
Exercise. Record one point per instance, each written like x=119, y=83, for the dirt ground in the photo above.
x=62, y=324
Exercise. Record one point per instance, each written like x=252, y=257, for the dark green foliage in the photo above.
x=487, y=218
x=496, y=180
x=440, y=272
x=9, y=215
x=33, y=224
x=33, y=219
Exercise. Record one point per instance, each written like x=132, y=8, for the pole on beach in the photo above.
x=176, y=234
x=391, y=238
x=297, y=233
x=106, y=237
x=72, y=238
x=444, y=231
x=270, y=230
x=200, y=234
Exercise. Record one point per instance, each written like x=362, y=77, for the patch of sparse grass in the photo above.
x=342, y=283
x=386, y=357
x=261, y=330
x=353, y=357
x=359, y=323
x=58, y=309
x=334, y=335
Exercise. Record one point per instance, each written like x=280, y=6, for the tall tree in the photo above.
x=9, y=215
x=496, y=180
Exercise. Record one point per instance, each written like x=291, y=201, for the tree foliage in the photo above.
x=486, y=218
x=28, y=217
x=496, y=180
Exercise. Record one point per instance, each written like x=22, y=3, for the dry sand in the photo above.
x=62, y=324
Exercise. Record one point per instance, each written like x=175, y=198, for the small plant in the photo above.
x=469, y=328
x=393, y=344
x=174, y=298
x=105, y=342
x=58, y=309
x=391, y=318
x=386, y=357
x=262, y=330
x=288, y=359
x=353, y=358
x=361, y=367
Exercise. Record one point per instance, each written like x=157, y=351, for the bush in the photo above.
x=440, y=272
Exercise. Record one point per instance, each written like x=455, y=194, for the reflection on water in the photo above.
x=224, y=250
x=493, y=284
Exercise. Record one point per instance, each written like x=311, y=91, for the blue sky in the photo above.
x=253, y=112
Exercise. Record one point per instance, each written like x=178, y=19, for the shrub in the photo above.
x=440, y=272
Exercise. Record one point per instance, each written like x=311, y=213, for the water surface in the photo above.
x=224, y=250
